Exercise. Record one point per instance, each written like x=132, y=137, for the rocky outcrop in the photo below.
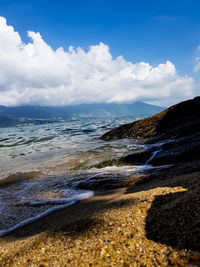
x=179, y=120
x=175, y=131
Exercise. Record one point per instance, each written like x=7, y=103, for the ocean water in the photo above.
x=41, y=166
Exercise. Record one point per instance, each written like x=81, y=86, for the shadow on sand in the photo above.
x=173, y=219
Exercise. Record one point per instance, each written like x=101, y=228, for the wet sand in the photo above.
x=153, y=223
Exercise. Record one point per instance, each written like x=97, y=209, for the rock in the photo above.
x=177, y=121
x=177, y=128
x=109, y=182
x=140, y=157
x=180, y=150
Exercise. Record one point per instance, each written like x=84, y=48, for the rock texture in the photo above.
x=177, y=121
x=152, y=220
x=175, y=131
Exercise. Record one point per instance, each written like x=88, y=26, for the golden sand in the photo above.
x=152, y=224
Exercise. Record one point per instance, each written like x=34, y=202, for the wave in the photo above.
x=27, y=142
x=41, y=167
x=117, y=169
x=38, y=140
x=62, y=205
x=4, y=139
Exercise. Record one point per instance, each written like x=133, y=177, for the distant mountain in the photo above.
x=6, y=121
x=83, y=110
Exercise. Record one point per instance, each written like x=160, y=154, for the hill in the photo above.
x=92, y=110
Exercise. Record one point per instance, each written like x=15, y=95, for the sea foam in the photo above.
x=64, y=203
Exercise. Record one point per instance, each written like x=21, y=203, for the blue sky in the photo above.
x=141, y=31
x=152, y=31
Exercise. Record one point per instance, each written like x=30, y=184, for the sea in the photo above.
x=42, y=165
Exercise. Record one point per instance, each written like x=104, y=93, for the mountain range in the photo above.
x=9, y=116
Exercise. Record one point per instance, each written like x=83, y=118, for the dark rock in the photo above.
x=177, y=128
x=140, y=157
x=180, y=150
x=177, y=121
x=109, y=182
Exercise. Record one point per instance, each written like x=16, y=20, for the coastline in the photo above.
x=150, y=218
x=120, y=227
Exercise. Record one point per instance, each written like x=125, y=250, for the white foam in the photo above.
x=153, y=155
x=116, y=169
x=149, y=167
x=66, y=203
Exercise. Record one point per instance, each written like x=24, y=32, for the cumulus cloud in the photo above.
x=34, y=73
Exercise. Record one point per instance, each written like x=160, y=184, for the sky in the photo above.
x=68, y=52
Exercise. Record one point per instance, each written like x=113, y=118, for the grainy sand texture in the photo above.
x=153, y=223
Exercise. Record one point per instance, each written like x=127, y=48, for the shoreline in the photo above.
x=149, y=219
x=119, y=227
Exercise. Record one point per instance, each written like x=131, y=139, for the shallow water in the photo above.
x=44, y=147
x=42, y=164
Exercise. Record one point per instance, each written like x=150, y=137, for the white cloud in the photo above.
x=34, y=73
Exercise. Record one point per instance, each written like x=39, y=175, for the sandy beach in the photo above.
x=156, y=222
x=99, y=133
